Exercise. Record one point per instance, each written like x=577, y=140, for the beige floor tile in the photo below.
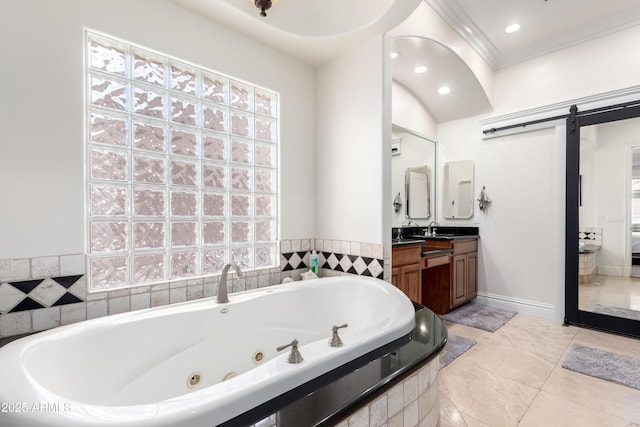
x=497, y=354
x=543, y=337
x=549, y=410
x=599, y=395
x=472, y=422
x=514, y=377
x=608, y=342
x=615, y=291
x=485, y=396
x=464, y=331
x=450, y=415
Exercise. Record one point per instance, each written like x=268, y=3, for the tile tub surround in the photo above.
x=587, y=267
x=398, y=389
x=588, y=257
x=590, y=236
x=45, y=292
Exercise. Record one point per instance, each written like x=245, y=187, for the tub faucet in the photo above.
x=222, y=285
x=430, y=231
x=294, y=356
x=335, y=340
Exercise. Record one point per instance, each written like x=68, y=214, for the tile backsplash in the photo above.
x=45, y=292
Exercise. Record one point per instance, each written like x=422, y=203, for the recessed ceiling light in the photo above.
x=443, y=90
x=394, y=55
x=421, y=69
x=512, y=28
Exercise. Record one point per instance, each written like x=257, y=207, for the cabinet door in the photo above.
x=459, y=280
x=472, y=275
x=395, y=277
x=411, y=281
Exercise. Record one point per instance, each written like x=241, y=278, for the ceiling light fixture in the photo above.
x=394, y=55
x=263, y=5
x=421, y=69
x=443, y=90
x=512, y=28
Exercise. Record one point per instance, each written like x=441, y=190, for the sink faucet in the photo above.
x=412, y=221
x=222, y=285
x=430, y=231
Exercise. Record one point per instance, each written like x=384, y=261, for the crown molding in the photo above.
x=453, y=14
x=462, y=24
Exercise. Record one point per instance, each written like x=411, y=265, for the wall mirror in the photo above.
x=457, y=191
x=603, y=219
x=415, y=155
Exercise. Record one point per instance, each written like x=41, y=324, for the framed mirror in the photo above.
x=413, y=155
x=603, y=220
x=457, y=190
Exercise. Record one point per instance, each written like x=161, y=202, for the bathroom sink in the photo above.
x=419, y=236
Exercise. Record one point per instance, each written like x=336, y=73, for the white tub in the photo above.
x=133, y=369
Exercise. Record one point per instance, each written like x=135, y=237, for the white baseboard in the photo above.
x=610, y=270
x=532, y=308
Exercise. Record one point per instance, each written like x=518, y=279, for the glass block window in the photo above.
x=182, y=168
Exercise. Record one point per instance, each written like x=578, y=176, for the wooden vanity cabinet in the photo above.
x=406, y=270
x=436, y=283
x=463, y=272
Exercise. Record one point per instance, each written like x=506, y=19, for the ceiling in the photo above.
x=315, y=31
x=310, y=30
x=546, y=25
x=445, y=68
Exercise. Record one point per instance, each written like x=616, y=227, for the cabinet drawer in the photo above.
x=406, y=255
x=436, y=261
x=465, y=247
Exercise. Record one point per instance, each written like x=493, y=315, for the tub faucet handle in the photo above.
x=294, y=356
x=335, y=340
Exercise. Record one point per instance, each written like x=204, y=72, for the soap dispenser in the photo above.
x=314, y=263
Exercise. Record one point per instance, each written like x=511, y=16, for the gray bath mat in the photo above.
x=605, y=365
x=617, y=312
x=480, y=316
x=455, y=347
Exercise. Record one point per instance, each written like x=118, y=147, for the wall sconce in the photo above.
x=397, y=202
x=264, y=5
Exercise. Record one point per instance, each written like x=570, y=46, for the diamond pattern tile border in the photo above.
x=354, y=264
x=34, y=294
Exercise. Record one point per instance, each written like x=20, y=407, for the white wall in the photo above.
x=590, y=68
x=353, y=143
x=521, y=261
x=41, y=123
